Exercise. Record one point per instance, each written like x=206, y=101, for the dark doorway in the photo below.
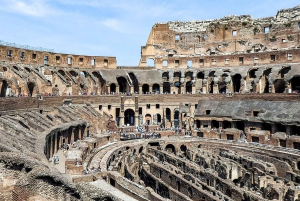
x=168, y=114
x=255, y=139
x=226, y=124
x=155, y=88
x=129, y=117
x=4, y=88
x=296, y=84
x=123, y=85
x=236, y=79
x=113, y=88
x=30, y=88
x=279, y=85
x=145, y=88
x=189, y=87
x=166, y=87
x=176, y=117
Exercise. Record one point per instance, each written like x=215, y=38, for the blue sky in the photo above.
x=112, y=28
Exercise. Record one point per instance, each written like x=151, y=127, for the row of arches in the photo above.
x=6, y=89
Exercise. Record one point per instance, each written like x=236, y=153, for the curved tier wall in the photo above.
x=224, y=128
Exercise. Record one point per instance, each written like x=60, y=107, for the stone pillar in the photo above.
x=50, y=149
x=121, y=119
x=108, y=90
x=182, y=89
x=132, y=89
x=117, y=89
x=273, y=128
x=136, y=119
x=72, y=135
x=140, y=89
x=150, y=89
x=55, y=144
x=288, y=129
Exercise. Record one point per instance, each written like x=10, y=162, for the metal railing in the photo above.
x=27, y=47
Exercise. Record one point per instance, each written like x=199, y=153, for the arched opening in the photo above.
x=280, y=128
x=129, y=117
x=30, y=88
x=284, y=71
x=214, y=124
x=236, y=81
x=148, y=119
x=211, y=86
x=178, y=186
x=222, y=83
x=165, y=76
x=295, y=130
x=27, y=69
x=113, y=88
x=170, y=148
x=73, y=73
x=150, y=63
x=252, y=73
x=177, y=83
x=4, y=89
x=168, y=114
x=62, y=72
x=158, y=118
x=190, y=191
x=266, y=127
x=240, y=125
x=266, y=79
x=200, y=75
x=298, y=165
x=183, y=149
x=198, y=124
x=166, y=87
x=176, y=117
x=295, y=82
x=145, y=88
x=134, y=82
x=155, y=88
x=279, y=85
x=140, y=150
x=123, y=85
x=189, y=87
x=226, y=124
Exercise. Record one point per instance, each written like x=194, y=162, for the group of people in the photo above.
x=55, y=160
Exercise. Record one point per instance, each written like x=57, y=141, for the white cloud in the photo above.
x=34, y=8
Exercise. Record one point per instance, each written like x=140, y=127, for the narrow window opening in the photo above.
x=234, y=33
x=249, y=44
x=201, y=62
x=255, y=113
x=219, y=46
x=255, y=61
x=9, y=53
x=267, y=30
x=105, y=62
x=148, y=106
x=273, y=57
x=289, y=56
x=157, y=106
x=57, y=58
x=176, y=63
x=177, y=37
x=93, y=62
x=165, y=63
x=241, y=60
x=69, y=60
x=33, y=56
x=189, y=63
x=80, y=59
x=46, y=59
x=283, y=40
x=213, y=61
x=22, y=55
x=100, y=107
x=207, y=112
x=109, y=107
x=226, y=61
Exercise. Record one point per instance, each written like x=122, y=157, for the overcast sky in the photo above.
x=112, y=28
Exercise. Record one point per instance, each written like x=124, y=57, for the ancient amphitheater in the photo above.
x=217, y=117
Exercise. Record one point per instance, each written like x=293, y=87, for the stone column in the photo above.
x=121, y=119
x=117, y=89
x=55, y=143
x=150, y=89
x=108, y=90
x=140, y=89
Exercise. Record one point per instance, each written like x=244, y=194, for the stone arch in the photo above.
x=31, y=89
x=145, y=88
x=170, y=148
x=236, y=82
x=151, y=62
x=61, y=72
x=148, y=119
x=73, y=73
x=284, y=71
x=129, y=117
x=200, y=75
x=123, y=84
x=214, y=124
x=183, y=149
x=155, y=88
x=135, y=82
x=140, y=150
x=113, y=88
x=4, y=89
x=279, y=85
x=165, y=76
x=240, y=125
x=189, y=87
x=222, y=83
x=158, y=118
x=295, y=83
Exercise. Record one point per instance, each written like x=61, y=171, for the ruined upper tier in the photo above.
x=228, y=41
